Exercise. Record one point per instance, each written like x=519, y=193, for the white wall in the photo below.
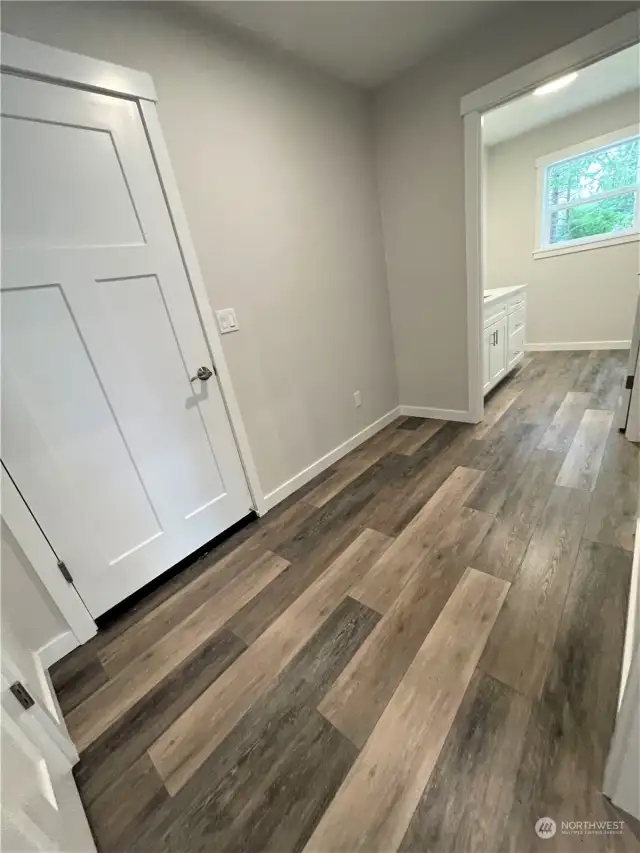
x=420, y=155
x=586, y=296
x=276, y=170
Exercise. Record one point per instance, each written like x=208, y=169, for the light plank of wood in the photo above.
x=362, y=691
x=563, y=427
x=582, y=463
x=374, y=805
x=519, y=649
x=500, y=403
x=194, y=736
x=105, y=706
x=382, y=585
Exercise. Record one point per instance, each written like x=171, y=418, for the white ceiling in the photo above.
x=362, y=42
x=599, y=82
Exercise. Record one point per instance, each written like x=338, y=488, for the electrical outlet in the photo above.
x=357, y=399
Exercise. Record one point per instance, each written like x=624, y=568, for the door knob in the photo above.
x=203, y=373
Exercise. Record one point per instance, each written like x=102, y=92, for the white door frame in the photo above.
x=609, y=39
x=31, y=59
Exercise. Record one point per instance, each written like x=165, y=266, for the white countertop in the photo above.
x=501, y=293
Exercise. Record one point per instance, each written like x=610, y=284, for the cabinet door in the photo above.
x=496, y=336
x=486, y=355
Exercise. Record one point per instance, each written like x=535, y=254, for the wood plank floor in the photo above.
x=419, y=651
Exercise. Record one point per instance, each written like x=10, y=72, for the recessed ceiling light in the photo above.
x=555, y=85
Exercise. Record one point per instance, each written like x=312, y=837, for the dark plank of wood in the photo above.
x=519, y=648
x=361, y=693
x=614, y=501
x=258, y=741
x=470, y=793
x=76, y=677
x=110, y=756
x=495, y=486
x=411, y=423
x=417, y=479
x=569, y=732
x=503, y=548
x=129, y=802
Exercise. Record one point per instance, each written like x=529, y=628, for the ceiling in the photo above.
x=597, y=83
x=364, y=43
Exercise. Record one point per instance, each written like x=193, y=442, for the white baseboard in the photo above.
x=57, y=648
x=440, y=414
x=290, y=486
x=576, y=345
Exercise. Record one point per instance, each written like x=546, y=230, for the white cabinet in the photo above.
x=495, y=348
x=504, y=333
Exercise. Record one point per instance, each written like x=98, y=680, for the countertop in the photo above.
x=501, y=293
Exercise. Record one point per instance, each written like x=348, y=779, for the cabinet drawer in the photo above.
x=517, y=319
x=516, y=342
x=494, y=313
x=517, y=303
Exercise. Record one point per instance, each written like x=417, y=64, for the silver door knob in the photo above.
x=203, y=373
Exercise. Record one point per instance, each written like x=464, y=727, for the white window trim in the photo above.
x=542, y=250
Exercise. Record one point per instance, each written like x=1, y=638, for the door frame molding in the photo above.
x=608, y=39
x=42, y=62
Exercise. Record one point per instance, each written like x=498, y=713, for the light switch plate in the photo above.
x=227, y=322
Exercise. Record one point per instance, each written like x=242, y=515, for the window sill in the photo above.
x=585, y=247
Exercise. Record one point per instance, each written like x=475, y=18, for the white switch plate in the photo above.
x=227, y=322
x=357, y=399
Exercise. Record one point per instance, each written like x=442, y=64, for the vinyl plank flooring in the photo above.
x=106, y=705
x=564, y=426
x=76, y=678
x=374, y=805
x=358, y=698
x=492, y=492
x=417, y=650
x=267, y=737
x=109, y=757
x=183, y=748
x=382, y=585
x=128, y=802
x=568, y=735
x=415, y=482
x=466, y=803
x=519, y=648
x=495, y=408
x=502, y=550
x=614, y=502
x=582, y=463
x=408, y=441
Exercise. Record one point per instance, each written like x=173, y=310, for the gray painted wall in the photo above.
x=420, y=155
x=275, y=167
x=580, y=297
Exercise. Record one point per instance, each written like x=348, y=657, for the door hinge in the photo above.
x=22, y=695
x=629, y=383
x=64, y=571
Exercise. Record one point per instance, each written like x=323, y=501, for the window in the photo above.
x=591, y=196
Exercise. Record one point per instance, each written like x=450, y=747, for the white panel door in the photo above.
x=127, y=463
